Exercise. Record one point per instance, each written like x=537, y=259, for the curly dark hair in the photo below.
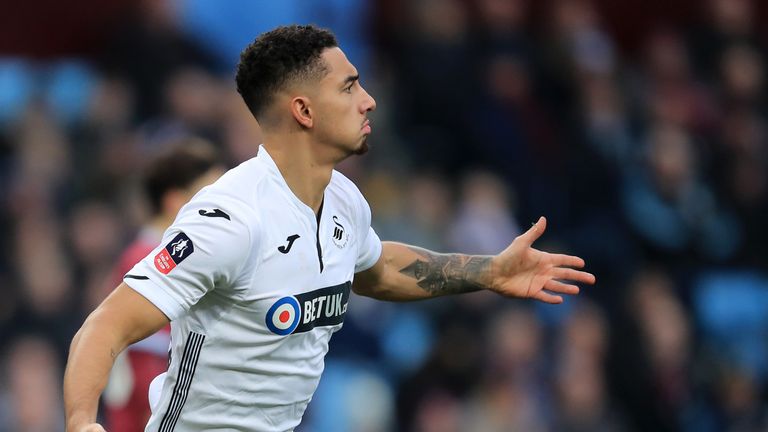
x=278, y=57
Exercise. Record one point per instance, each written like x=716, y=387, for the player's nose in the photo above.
x=369, y=103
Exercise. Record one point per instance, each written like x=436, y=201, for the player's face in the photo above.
x=343, y=105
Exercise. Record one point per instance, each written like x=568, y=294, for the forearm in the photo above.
x=412, y=273
x=91, y=356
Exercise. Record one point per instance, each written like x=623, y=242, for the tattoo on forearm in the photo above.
x=441, y=274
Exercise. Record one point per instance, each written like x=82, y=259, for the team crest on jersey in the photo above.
x=176, y=251
x=340, y=235
x=303, y=312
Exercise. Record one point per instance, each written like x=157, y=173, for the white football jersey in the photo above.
x=254, y=284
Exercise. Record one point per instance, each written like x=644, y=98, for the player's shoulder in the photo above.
x=233, y=197
x=241, y=184
x=241, y=178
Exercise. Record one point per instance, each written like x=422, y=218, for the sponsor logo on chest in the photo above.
x=303, y=312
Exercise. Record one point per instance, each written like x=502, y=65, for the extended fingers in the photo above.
x=548, y=298
x=573, y=275
x=560, y=287
x=561, y=260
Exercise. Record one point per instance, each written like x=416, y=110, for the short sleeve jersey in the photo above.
x=255, y=284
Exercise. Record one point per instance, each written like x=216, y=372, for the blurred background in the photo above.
x=637, y=127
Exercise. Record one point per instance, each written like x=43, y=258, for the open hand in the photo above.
x=522, y=271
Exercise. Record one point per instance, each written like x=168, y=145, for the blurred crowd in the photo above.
x=642, y=138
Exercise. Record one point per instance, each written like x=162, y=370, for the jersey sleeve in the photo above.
x=206, y=248
x=369, y=247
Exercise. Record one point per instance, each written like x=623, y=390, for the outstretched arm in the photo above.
x=406, y=272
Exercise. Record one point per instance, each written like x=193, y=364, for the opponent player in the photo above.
x=170, y=180
x=255, y=272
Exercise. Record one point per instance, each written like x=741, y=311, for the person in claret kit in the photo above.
x=195, y=164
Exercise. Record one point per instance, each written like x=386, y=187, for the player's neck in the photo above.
x=304, y=169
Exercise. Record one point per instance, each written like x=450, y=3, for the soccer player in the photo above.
x=255, y=273
x=170, y=180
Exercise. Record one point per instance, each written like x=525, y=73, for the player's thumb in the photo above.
x=535, y=231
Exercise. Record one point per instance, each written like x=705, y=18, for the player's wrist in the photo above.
x=492, y=282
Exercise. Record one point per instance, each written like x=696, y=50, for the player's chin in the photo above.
x=362, y=148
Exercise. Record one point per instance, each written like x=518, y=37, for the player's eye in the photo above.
x=349, y=88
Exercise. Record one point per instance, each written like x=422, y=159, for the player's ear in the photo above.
x=301, y=110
